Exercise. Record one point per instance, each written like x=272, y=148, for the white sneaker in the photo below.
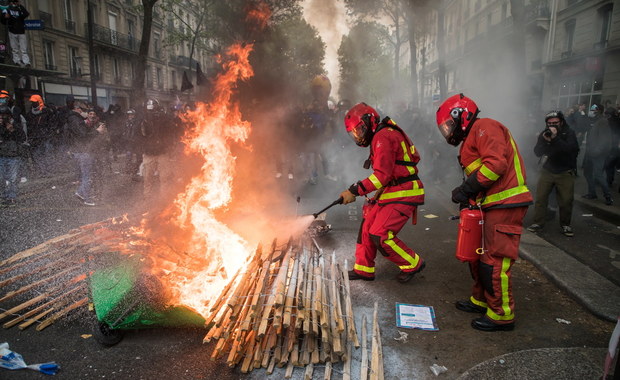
x=23, y=180
x=290, y=176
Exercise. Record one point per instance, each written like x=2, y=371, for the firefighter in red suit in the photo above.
x=495, y=182
x=398, y=192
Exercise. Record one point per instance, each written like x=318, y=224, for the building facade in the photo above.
x=571, y=52
x=61, y=58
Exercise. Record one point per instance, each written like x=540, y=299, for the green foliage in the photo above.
x=365, y=64
x=286, y=59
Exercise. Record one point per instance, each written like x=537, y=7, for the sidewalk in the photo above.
x=597, y=294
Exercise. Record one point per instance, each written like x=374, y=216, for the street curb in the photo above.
x=542, y=363
x=597, y=294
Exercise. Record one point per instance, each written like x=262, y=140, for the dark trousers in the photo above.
x=564, y=184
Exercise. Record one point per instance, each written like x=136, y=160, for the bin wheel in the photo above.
x=105, y=335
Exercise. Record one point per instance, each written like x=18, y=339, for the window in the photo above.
x=504, y=10
x=173, y=80
x=157, y=45
x=604, y=14
x=75, y=62
x=131, y=32
x=112, y=18
x=116, y=67
x=160, y=83
x=149, y=77
x=97, y=67
x=69, y=23
x=569, y=27
x=573, y=91
x=48, y=55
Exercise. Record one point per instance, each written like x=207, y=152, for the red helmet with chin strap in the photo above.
x=455, y=116
x=361, y=122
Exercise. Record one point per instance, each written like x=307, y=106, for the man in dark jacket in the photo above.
x=13, y=17
x=41, y=122
x=12, y=138
x=598, y=147
x=557, y=146
x=160, y=136
x=81, y=137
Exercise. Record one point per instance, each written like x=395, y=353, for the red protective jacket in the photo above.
x=394, y=159
x=490, y=153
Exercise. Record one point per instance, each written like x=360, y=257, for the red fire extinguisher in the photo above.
x=470, y=238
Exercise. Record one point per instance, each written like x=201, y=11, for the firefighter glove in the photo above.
x=347, y=197
x=459, y=196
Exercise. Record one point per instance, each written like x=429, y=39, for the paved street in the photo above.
x=539, y=347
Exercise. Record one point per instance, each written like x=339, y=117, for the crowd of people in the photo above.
x=83, y=141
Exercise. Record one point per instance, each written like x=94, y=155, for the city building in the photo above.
x=58, y=39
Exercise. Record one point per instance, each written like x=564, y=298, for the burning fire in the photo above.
x=217, y=125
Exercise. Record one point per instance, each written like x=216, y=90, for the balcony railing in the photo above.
x=47, y=19
x=75, y=72
x=70, y=26
x=49, y=66
x=181, y=60
x=114, y=38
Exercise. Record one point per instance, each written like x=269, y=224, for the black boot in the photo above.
x=406, y=276
x=485, y=324
x=469, y=307
x=354, y=276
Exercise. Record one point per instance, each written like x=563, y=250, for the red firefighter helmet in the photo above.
x=455, y=116
x=361, y=122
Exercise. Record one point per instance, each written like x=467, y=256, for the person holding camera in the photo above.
x=558, y=148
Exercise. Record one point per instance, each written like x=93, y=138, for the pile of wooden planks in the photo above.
x=290, y=307
x=48, y=282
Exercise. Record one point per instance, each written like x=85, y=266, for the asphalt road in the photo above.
x=48, y=209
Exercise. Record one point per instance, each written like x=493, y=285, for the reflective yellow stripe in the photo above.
x=401, y=252
x=504, y=194
x=406, y=157
x=517, y=163
x=362, y=268
x=375, y=181
x=485, y=171
x=473, y=166
x=503, y=280
x=404, y=193
x=476, y=302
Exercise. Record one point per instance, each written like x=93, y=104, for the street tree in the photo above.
x=143, y=52
x=363, y=56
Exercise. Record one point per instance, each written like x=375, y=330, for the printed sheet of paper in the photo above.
x=415, y=317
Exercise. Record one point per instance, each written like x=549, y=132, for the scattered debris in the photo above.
x=86, y=336
x=431, y=216
x=502, y=361
x=560, y=320
x=587, y=214
x=402, y=337
x=437, y=369
x=12, y=360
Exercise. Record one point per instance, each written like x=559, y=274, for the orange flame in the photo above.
x=219, y=250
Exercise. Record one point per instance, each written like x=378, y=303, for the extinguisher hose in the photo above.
x=483, y=250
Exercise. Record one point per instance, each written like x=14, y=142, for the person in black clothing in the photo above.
x=14, y=17
x=613, y=160
x=42, y=129
x=160, y=136
x=12, y=138
x=81, y=138
x=557, y=146
x=132, y=144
